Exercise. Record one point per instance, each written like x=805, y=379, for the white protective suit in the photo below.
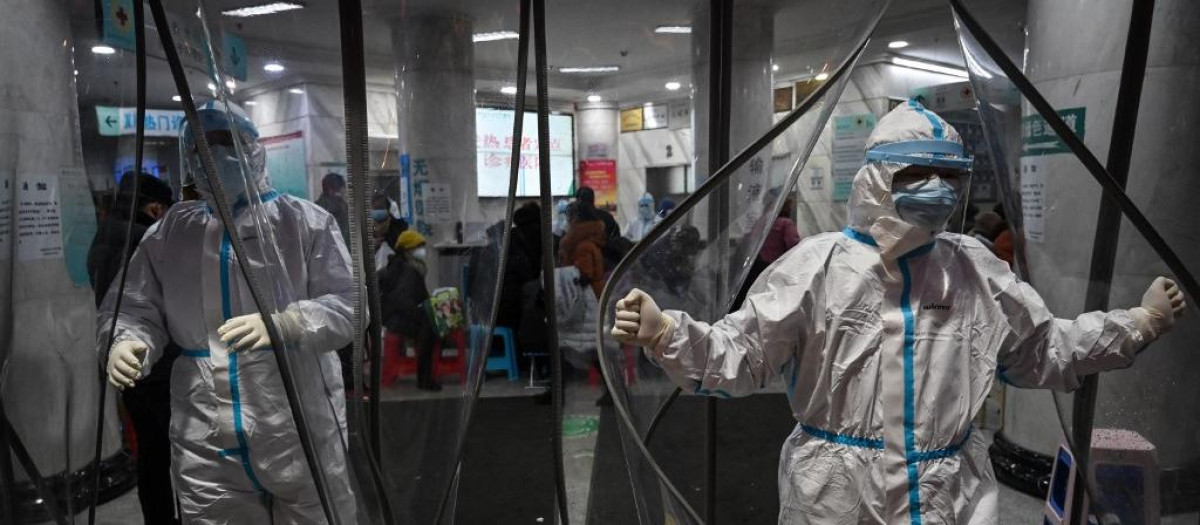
x=888, y=338
x=645, y=221
x=236, y=456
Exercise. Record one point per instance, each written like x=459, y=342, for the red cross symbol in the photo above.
x=122, y=17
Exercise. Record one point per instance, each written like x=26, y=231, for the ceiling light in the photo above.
x=494, y=36
x=594, y=98
x=929, y=66
x=103, y=50
x=262, y=9
x=274, y=67
x=296, y=91
x=509, y=90
x=673, y=30
x=897, y=44
x=177, y=98
x=595, y=69
x=821, y=77
x=774, y=67
x=672, y=86
x=249, y=103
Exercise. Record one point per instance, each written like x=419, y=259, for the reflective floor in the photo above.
x=581, y=429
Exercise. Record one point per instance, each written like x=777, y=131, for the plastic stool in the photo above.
x=506, y=362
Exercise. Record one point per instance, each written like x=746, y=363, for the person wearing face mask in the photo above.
x=149, y=403
x=888, y=336
x=638, y=229
x=333, y=200
x=385, y=213
x=235, y=452
x=404, y=293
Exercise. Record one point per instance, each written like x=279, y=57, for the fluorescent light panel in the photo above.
x=897, y=44
x=594, y=69
x=296, y=91
x=103, y=50
x=929, y=66
x=273, y=67
x=594, y=98
x=672, y=86
x=494, y=36
x=673, y=30
x=262, y=9
x=509, y=90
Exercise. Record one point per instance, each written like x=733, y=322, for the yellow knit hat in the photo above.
x=409, y=239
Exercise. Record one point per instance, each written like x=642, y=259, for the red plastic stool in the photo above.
x=397, y=363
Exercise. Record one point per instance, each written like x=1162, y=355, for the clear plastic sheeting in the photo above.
x=48, y=222
x=1142, y=460
x=698, y=258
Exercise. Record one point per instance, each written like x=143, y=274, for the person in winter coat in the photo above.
x=583, y=246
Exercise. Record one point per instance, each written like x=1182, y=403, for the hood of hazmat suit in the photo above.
x=639, y=227
x=888, y=337
x=236, y=454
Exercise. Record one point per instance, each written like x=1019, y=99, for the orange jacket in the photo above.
x=583, y=248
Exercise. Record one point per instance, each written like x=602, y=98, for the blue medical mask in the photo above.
x=379, y=215
x=926, y=203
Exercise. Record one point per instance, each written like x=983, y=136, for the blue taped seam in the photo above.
x=243, y=450
x=859, y=236
x=715, y=392
x=842, y=439
x=941, y=453
x=914, y=493
x=938, y=132
x=198, y=354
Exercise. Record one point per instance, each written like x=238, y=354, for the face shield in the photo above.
x=229, y=132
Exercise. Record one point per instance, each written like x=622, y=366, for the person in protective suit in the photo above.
x=235, y=451
x=645, y=219
x=888, y=336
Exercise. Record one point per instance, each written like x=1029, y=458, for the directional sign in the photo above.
x=118, y=24
x=234, y=56
x=113, y=122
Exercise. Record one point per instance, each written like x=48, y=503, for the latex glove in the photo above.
x=249, y=332
x=1161, y=304
x=640, y=322
x=125, y=363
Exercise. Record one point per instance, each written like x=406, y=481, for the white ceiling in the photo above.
x=808, y=34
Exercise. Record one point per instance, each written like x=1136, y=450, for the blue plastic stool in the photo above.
x=508, y=361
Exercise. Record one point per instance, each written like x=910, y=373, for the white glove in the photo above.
x=1161, y=304
x=125, y=363
x=249, y=332
x=640, y=322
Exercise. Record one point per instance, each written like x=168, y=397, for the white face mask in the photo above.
x=419, y=253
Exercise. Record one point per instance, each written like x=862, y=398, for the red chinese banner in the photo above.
x=601, y=176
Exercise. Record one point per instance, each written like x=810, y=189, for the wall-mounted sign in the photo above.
x=850, y=134
x=655, y=116
x=287, y=163
x=601, y=176
x=118, y=24
x=805, y=88
x=631, y=119
x=113, y=122
x=783, y=99
x=234, y=57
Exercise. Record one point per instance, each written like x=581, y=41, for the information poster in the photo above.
x=78, y=223
x=1039, y=145
x=6, y=216
x=287, y=163
x=39, y=221
x=601, y=176
x=437, y=202
x=631, y=119
x=850, y=134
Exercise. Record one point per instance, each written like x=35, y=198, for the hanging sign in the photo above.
x=113, y=122
x=287, y=163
